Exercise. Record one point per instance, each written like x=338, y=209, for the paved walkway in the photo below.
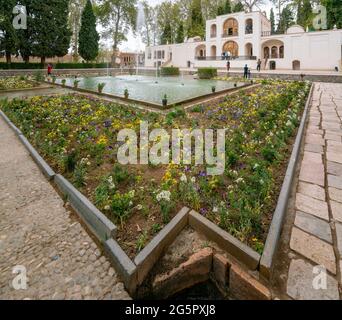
x=316, y=238
x=39, y=233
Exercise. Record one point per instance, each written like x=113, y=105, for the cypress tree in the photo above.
x=88, y=36
x=272, y=19
x=166, y=35
x=180, y=34
x=238, y=7
x=334, y=13
x=304, y=13
x=227, y=7
x=196, y=27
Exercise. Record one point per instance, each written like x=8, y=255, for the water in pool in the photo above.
x=152, y=89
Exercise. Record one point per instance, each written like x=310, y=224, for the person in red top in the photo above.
x=49, y=69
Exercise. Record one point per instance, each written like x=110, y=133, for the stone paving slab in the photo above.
x=38, y=232
x=316, y=237
x=300, y=283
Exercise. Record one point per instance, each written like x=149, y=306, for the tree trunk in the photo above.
x=42, y=60
x=8, y=57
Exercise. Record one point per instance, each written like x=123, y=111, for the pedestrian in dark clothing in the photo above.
x=228, y=66
x=259, y=65
x=245, y=72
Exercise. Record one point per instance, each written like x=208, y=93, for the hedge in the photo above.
x=25, y=66
x=169, y=71
x=207, y=73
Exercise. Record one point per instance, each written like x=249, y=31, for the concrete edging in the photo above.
x=97, y=222
x=274, y=233
x=146, y=259
x=226, y=241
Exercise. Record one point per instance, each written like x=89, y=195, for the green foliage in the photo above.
x=272, y=19
x=141, y=242
x=88, y=36
x=207, y=73
x=238, y=7
x=180, y=34
x=166, y=36
x=38, y=76
x=49, y=33
x=304, y=13
x=169, y=71
x=197, y=25
x=100, y=87
x=334, y=13
x=286, y=20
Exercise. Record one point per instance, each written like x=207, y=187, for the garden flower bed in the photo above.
x=77, y=135
x=13, y=83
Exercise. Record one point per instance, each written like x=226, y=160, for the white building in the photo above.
x=243, y=38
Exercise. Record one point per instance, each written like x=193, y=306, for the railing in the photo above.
x=230, y=34
x=222, y=58
x=249, y=30
x=270, y=33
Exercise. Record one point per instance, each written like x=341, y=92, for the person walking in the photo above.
x=49, y=69
x=259, y=65
x=228, y=66
x=245, y=71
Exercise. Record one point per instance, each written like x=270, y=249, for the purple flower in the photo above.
x=203, y=211
x=107, y=123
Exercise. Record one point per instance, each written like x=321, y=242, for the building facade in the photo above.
x=244, y=38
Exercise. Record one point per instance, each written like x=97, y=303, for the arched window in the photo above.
x=274, y=52
x=266, y=52
x=231, y=48
x=213, y=30
x=213, y=51
x=281, y=52
x=231, y=28
x=249, y=50
x=249, y=26
x=200, y=51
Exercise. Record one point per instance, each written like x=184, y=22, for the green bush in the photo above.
x=26, y=66
x=207, y=73
x=169, y=71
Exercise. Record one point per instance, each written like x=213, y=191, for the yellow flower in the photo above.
x=103, y=140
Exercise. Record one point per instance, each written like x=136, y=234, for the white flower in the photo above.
x=215, y=209
x=130, y=203
x=139, y=207
x=193, y=179
x=164, y=195
x=131, y=193
x=239, y=180
x=183, y=178
x=111, y=183
x=107, y=208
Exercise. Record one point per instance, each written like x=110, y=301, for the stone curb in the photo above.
x=146, y=259
x=122, y=264
x=98, y=223
x=225, y=240
x=275, y=229
x=44, y=167
x=25, y=89
x=10, y=123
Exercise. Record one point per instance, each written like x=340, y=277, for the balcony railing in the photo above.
x=270, y=33
x=222, y=58
x=230, y=34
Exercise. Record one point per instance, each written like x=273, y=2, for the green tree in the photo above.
x=88, y=37
x=8, y=35
x=272, y=19
x=196, y=27
x=334, y=13
x=117, y=17
x=166, y=36
x=50, y=33
x=304, y=13
x=286, y=20
x=238, y=7
x=180, y=34
x=227, y=7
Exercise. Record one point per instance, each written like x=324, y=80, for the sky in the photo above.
x=133, y=44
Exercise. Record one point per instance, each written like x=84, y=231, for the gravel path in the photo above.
x=39, y=234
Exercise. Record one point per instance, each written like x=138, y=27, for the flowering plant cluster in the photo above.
x=10, y=83
x=77, y=135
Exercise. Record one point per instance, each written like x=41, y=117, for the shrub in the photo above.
x=27, y=66
x=207, y=73
x=169, y=71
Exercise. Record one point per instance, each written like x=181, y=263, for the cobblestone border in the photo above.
x=276, y=226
